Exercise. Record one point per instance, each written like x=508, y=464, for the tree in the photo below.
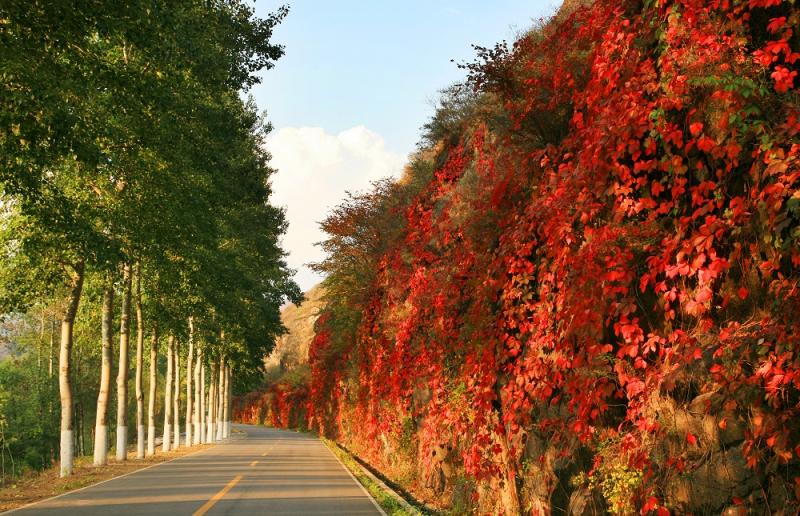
x=140, y=429
x=101, y=424
x=129, y=143
x=122, y=376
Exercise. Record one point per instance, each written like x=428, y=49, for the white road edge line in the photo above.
x=371, y=499
x=106, y=480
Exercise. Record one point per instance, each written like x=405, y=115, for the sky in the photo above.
x=358, y=80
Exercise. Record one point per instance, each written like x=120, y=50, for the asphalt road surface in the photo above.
x=266, y=471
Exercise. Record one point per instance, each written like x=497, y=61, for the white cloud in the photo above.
x=315, y=169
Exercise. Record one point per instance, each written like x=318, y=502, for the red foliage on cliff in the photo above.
x=282, y=405
x=610, y=236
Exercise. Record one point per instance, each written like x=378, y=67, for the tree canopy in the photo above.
x=126, y=143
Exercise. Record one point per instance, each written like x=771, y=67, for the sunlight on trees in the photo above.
x=135, y=198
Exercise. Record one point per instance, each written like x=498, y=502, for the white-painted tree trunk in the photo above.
x=122, y=376
x=201, y=412
x=230, y=400
x=196, y=410
x=176, y=399
x=151, y=395
x=189, y=392
x=226, y=408
x=107, y=345
x=167, y=437
x=211, y=404
x=64, y=366
x=140, y=436
x=220, y=396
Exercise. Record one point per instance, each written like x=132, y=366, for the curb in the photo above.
x=391, y=492
x=363, y=488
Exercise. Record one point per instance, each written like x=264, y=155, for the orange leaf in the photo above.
x=704, y=295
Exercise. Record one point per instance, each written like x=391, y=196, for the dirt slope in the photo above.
x=291, y=350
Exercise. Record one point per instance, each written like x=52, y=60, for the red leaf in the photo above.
x=651, y=504
x=743, y=293
x=705, y=144
x=775, y=24
x=784, y=79
x=696, y=128
x=691, y=439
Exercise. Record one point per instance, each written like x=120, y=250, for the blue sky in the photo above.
x=355, y=86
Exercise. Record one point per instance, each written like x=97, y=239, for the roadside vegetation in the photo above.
x=581, y=296
x=389, y=503
x=141, y=275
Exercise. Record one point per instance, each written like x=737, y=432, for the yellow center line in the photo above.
x=217, y=497
x=253, y=463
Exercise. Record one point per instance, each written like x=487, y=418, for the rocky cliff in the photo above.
x=291, y=349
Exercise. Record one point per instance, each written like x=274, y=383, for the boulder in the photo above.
x=586, y=502
x=713, y=483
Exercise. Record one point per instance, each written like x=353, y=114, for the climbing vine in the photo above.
x=608, y=244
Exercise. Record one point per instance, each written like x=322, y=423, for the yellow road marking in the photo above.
x=217, y=497
x=253, y=463
x=265, y=453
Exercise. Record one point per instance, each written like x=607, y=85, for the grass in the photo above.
x=387, y=502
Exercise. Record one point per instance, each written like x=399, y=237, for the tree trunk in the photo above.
x=40, y=348
x=220, y=396
x=202, y=409
x=189, y=392
x=211, y=403
x=226, y=409
x=166, y=440
x=196, y=407
x=101, y=423
x=79, y=441
x=52, y=345
x=139, y=366
x=151, y=397
x=508, y=491
x=176, y=399
x=122, y=375
x=509, y=494
x=64, y=385
x=223, y=400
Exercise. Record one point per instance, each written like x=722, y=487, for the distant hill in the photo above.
x=291, y=349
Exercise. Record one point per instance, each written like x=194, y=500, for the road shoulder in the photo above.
x=47, y=485
x=388, y=501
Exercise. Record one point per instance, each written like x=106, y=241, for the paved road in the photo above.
x=266, y=471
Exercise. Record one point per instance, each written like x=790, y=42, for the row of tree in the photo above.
x=130, y=166
x=207, y=416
